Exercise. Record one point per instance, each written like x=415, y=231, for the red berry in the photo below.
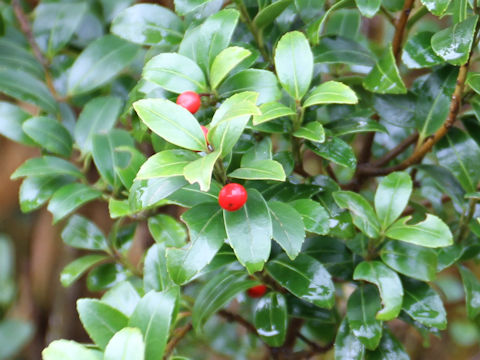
x=257, y=291
x=190, y=100
x=232, y=197
x=205, y=132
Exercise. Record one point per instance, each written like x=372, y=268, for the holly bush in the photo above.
x=304, y=175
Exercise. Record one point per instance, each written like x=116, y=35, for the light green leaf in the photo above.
x=81, y=233
x=226, y=61
x=347, y=345
x=46, y=165
x=155, y=274
x=385, y=77
x=166, y=163
x=37, y=190
x=260, y=170
x=436, y=7
x=147, y=193
x=165, y=229
x=200, y=171
x=331, y=92
x=312, y=131
x=270, y=111
x=368, y=8
x=126, y=344
x=69, y=350
x=73, y=271
x=123, y=297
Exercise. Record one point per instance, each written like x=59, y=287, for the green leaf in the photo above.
x=340, y=50
x=190, y=195
x=331, y=92
x=128, y=161
x=148, y=24
x=473, y=80
x=362, y=212
x=166, y=163
x=460, y=10
x=98, y=116
x=347, y=345
x=436, y=7
x=459, y=153
x=385, y=77
x=69, y=350
x=270, y=111
x=14, y=54
x=126, y=344
x=230, y=120
x=82, y=233
x=362, y=307
x=25, y=87
x=73, y=271
x=175, y=73
x=260, y=170
x=249, y=231
x=69, y=198
x=155, y=275
x=46, y=165
x=94, y=66
x=100, y=320
x=268, y=14
x=305, y=278
x=294, y=64
x=432, y=232
x=225, y=62
x=424, y=305
x=411, y=260
x=312, y=131
x=200, y=171
x=165, y=229
x=147, y=193
x=314, y=216
x=153, y=316
x=390, y=348
x=207, y=234
x=37, y=190
x=184, y=7
x=388, y=283
x=454, y=43
x=11, y=120
x=398, y=110
x=55, y=24
x=49, y=134
x=171, y=122
x=218, y=292
x=123, y=297
x=368, y=8
x=392, y=197
x=288, y=227
x=471, y=286
x=262, y=81
x=112, y=8
x=271, y=319
x=336, y=150
x=418, y=52
x=354, y=126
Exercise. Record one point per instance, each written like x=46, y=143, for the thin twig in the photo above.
x=318, y=349
x=178, y=336
x=232, y=317
x=400, y=28
x=399, y=149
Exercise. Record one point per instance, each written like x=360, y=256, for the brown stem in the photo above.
x=179, y=335
x=232, y=317
x=316, y=348
x=400, y=28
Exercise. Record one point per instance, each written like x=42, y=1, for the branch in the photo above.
x=179, y=335
x=399, y=149
x=232, y=317
x=400, y=28
x=316, y=348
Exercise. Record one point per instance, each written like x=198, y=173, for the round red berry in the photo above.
x=257, y=291
x=232, y=197
x=190, y=100
x=205, y=132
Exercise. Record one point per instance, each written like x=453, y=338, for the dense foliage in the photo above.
x=359, y=153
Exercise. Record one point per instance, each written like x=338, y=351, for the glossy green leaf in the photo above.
x=49, y=134
x=81, y=233
x=424, y=305
x=453, y=44
x=225, y=62
x=398, y=110
x=362, y=212
x=128, y=161
x=98, y=116
x=100, y=320
x=73, y=271
x=166, y=163
x=37, y=190
x=314, y=215
x=69, y=350
x=268, y=14
x=165, y=229
x=175, y=73
x=368, y=8
x=340, y=50
x=69, y=198
x=385, y=77
x=55, y=24
x=271, y=319
x=155, y=275
x=347, y=345
x=436, y=7
x=11, y=119
x=288, y=227
x=172, y=122
x=392, y=197
x=336, y=150
x=460, y=10
x=411, y=260
x=123, y=297
x=126, y=344
x=94, y=66
x=46, y=165
x=184, y=7
x=312, y=131
x=388, y=283
x=354, y=126
x=25, y=87
x=362, y=307
x=432, y=232
x=473, y=80
x=217, y=293
x=207, y=234
x=200, y=170
x=262, y=81
x=304, y=277
x=270, y=111
x=260, y=170
x=249, y=231
x=191, y=195
x=294, y=64
x=471, y=285
x=331, y=92
x=153, y=316
x=418, y=52
x=147, y=193
x=148, y=24
x=389, y=349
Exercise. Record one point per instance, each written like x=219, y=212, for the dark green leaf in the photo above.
x=49, y=134
x=354, y=125
x=268, y=14
x=73, y=271
x=15, y=55
x=398, y=110
x=339, y=50
x=314, y=216
x=347, y=345
x=81, y=233
x=471, y=284
x=336, y=150
x=37, y=190
x=11, y=119
x=418, y=52
x=271, y=319
x=384, y=77
x=46, y=165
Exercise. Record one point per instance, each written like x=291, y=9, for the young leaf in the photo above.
x=347, y=345
x=260, y=170
x=126, y=344
x=331, y=92
x=81, y=233
x=384, y=77
x=225, y=62
x=294, y=64
x=200, y=170
x=166, y=163
x=69, y=350
x=73, y=271
x=123, y=297
x=270, y=111
x=165, y=229
x=472, y=292
x=312, y=131
x=314, y=215
x=388, y=283
x=305, y=278
x=271, y=319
